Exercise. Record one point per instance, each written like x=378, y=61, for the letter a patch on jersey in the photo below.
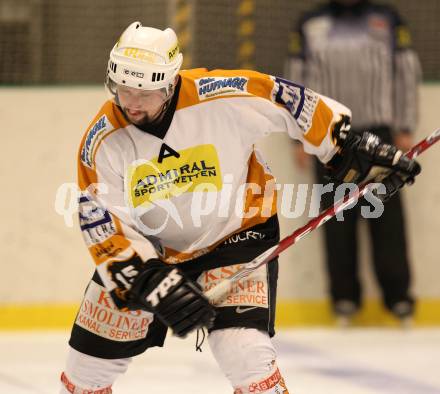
x=172, y=174
x=166, y=151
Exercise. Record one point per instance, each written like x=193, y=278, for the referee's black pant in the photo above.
x=389, y=248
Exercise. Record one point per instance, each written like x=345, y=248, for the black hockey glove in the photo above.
x=361, y=153
x=393, y=183
x=176, y=300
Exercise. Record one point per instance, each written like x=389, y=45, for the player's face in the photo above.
x=141, y=106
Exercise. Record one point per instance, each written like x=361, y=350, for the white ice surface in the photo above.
x=313, y=361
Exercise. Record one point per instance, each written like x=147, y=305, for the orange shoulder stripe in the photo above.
x=257, y=84
x=321, y=121
x=108, y=120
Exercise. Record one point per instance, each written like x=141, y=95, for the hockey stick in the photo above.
x=221, y=289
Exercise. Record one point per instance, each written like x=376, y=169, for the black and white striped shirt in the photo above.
x=361, y=57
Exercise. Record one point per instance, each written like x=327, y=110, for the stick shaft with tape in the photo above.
x=222, y=288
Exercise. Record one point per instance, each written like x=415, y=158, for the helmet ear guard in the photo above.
x=144, y=58
x=111, y=89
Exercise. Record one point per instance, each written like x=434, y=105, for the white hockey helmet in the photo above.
x=144, y=58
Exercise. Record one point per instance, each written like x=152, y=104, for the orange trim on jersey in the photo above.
x=116, y=244
x=86, y=175
x=109, y=248
x=117, y=118
x=188, y=92
x=173, y=256
x=321, y=121
x=265, y=210
x=259, y=85
x=266, y=201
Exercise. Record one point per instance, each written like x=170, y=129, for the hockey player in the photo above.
x=174, y=197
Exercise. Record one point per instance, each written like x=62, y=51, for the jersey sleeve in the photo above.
x=118, y=250
x=268, y=104
x=407, y=77
x=306, y=115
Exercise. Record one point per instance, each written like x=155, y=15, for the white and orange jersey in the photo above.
x=180, y=191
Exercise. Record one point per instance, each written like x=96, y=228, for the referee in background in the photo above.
x=359, y=53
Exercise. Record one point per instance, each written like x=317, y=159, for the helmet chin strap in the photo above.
x=162, y=111
x=170, y=93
